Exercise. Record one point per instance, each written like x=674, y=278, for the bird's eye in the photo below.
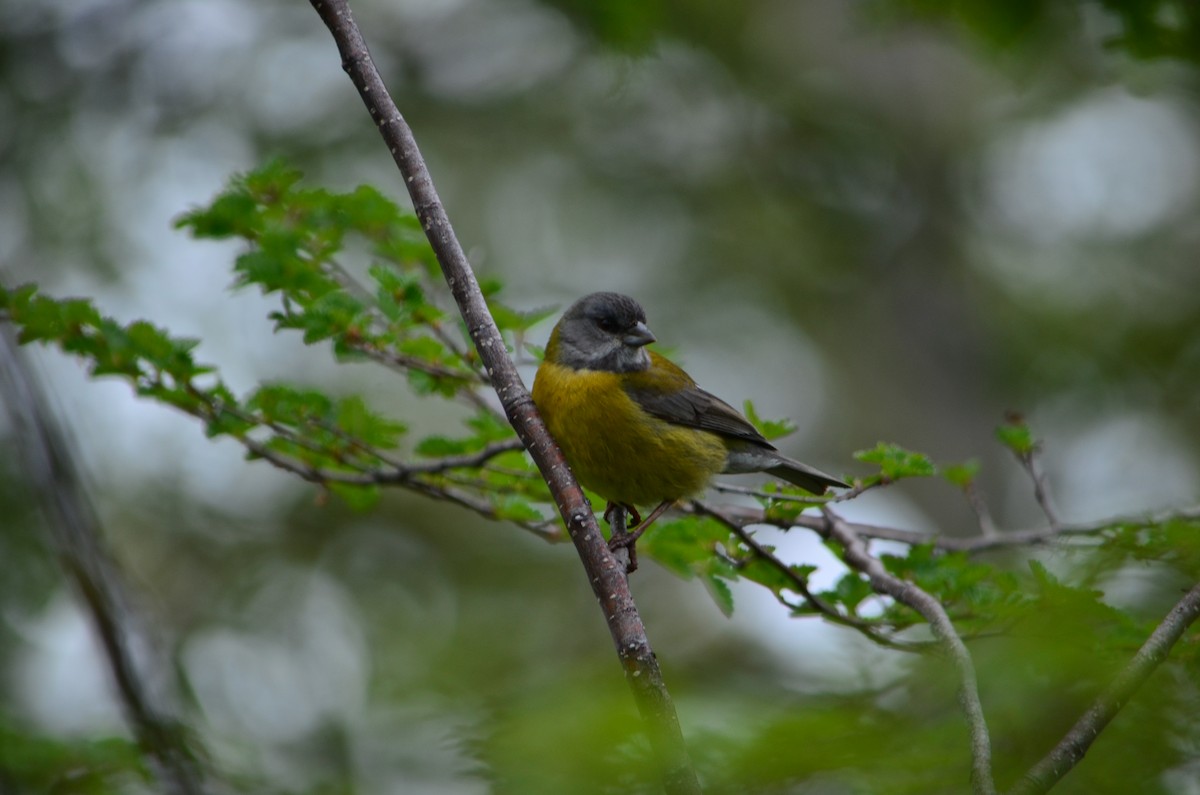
x=607, y=324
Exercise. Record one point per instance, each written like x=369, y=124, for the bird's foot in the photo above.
x=620, y=538
x=634, y=516
x=627, y=539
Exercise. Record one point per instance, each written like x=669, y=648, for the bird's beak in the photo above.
x=638, y=336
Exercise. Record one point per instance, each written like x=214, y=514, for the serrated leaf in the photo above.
x=770, y=429
x=270, y=181
x=721, y=593
x=509, y=319
x=1016, y=436
x=488, y=427
x=426, y=348
x=766, y=574
x=895, y=462
x=359, y=498
x=369, y=211
x=684, y=546
x=227, y=423
x=229, y=214
x=441, y=446
x=358, y=420
x=962, y=474
x=850, y=591
x=516, y=508
x=781, y=511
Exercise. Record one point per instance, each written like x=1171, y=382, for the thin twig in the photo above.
x=399, y=471
x=858, y=489
x=1031, y=461
x=358, y=444
x=412, y=479
x=474, y=375
x=402, y=363
x=606, y=576
x=909, y=593
x=1009, y=538
x=468, y=460
x=440, y=332
x=799, y=584
x=730, y=488
x=987, y=525
x=286, y=434
x=78, y=542
x=410, y=476
x=1071, y=749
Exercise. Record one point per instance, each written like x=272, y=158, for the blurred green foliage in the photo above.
x=31, y=763
x=833, y=167
x=1059, y=631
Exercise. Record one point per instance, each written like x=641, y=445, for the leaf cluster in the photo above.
x=301, y=246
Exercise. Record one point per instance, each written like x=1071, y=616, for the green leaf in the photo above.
x=977, y=592
x=227, y=423
x=756, y=569
x=334, y=314
x=359, y=498
x=283, y=403
x=516, y=508
x=721, y=593
x=231, y=214
x=35, y=763
x=771, y=429
x=355, y=418
x=895, y=462
x=509, y=319
x=684, y=546
x=19, y=296
x=1016, y=436
x=489, y=427
x=780, y=511
x=441, y=446
x=425, y=348
x=369, y=211
x=46, y=319
x=1174, y=542
x=270, y=182
x=850, y=591
x=962, y=474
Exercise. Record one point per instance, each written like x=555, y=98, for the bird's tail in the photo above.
x=805, y=477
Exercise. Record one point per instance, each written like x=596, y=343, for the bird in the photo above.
x=633, y=426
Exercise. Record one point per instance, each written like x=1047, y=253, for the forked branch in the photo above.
x=908, y=593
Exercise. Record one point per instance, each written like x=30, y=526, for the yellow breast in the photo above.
x=614, y=447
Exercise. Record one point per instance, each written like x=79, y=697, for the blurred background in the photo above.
x=889, y=220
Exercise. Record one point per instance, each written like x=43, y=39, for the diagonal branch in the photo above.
x=1031, y=461
x=1070, y=750
x=77, y=540
x=604, y=573
x=857, y=555
x=979, y=506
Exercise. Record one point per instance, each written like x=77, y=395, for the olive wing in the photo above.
x=665, y=391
